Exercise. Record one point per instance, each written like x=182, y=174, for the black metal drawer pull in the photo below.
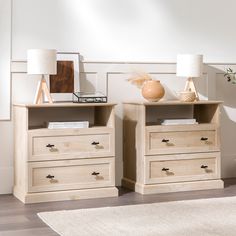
x=50, y=176
x=165, y=140
x=204, y=167
x=165, y=169
x=94, y=143
x=50, y=145
x=95, y=173
x=204, y=139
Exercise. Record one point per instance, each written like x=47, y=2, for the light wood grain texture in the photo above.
x=133, y=148
x=102, y=116
x=68, y=195
x=20, y=117
x=182, y=167
x=71, y=174
x=70, y=143
x=172, y=102
x=168, y=158
x=65, y=104
x=42, y=90
x=172, y=187
x=176, y=141
x=63, y=164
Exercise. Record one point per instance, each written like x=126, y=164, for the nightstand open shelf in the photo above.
x=203, y=113
x=96, y=115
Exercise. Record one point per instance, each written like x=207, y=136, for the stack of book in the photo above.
x=68, y=125
x=179, y=122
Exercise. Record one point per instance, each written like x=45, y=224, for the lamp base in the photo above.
x=41, y=90
x=190, y=87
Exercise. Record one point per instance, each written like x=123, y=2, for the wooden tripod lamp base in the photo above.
x=42, y=90
x=190, y=87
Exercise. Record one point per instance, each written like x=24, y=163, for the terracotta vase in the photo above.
x=152, y=90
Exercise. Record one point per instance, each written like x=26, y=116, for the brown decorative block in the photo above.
x=63, y=81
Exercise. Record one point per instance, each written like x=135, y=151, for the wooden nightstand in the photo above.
x=170, y=158
x=64, y=164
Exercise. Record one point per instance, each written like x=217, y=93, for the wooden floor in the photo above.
x=17, y=219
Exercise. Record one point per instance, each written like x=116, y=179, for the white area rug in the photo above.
x=207, y=217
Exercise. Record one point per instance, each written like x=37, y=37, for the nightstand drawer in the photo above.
x=177, y=168
x=73, y=174
x=53, y=145
x=180, y=141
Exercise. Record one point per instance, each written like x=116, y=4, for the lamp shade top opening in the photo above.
x=189, y=65
x=42, y=61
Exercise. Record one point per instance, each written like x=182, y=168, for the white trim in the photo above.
x=6, y=176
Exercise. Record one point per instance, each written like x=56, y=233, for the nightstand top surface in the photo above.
x=172, y=102
x=63, y=104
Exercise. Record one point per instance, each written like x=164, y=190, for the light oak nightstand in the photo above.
x=64, y=164
x=170, y=158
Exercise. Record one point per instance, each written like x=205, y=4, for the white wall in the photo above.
x=124, y=30
x=5, y=52
x=127, y=30
x=6, y=144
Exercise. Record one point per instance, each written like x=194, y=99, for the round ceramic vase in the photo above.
x=152, y=90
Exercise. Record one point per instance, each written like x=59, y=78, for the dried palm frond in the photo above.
x=139, y=78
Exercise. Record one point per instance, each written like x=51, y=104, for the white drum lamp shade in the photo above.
x=42, y=61
x=189, y=66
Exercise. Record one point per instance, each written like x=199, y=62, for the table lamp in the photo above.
x=42, y=62
x=190, y=66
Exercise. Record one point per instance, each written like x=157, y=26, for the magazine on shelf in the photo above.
x=179, y=122
x=68, y=125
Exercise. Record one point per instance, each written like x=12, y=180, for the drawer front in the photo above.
x=68, y=175
x=177, y=168
x=67, y=146
x=181, y=141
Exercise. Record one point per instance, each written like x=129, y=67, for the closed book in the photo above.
x=68, y=125
x=178, y=121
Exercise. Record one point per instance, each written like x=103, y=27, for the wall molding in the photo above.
x=100, y=70
x=6, y=174
x=5, y=59
x=110, y=78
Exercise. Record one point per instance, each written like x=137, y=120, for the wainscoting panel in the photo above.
x=111, y=78
x=226, y=92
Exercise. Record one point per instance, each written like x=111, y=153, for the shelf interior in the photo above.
x=97, y=116
x=203, y=113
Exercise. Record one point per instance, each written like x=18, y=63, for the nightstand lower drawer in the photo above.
x=71, y=174
x=176, y=168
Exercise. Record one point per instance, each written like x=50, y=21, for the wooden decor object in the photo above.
x=190, y=87
x=64, y=164
x=42, y=90
x=171, y=158
x=63, y=81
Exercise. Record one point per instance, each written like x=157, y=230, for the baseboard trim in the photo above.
x=6, y=174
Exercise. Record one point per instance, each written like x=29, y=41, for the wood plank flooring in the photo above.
x=17, y=219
